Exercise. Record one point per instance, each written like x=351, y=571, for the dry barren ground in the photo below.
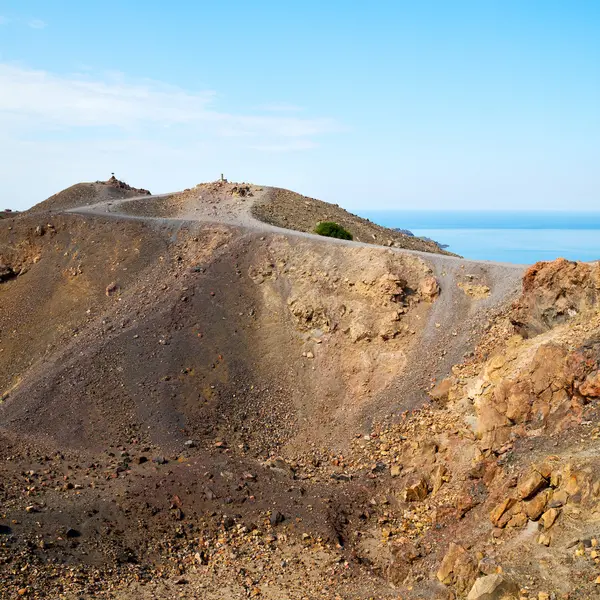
x=199, y=404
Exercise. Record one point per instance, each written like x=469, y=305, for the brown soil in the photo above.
x=290, y=210
x=244, y=204
x=82, y=194
x=195, y=404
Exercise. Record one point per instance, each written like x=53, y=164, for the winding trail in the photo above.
x=454, y=321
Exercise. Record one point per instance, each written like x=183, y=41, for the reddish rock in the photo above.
x=549, y=517
x=518, y=520
x=554, y=292
x=112, y=289
x=457, y=569
x=591, y=386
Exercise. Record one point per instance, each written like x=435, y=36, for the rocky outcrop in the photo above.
x=121, y=185
x=554, y=292
x=549, y=391
x=458, y=569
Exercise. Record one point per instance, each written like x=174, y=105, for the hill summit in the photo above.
x=82, y=194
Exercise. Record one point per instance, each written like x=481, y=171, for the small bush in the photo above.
x=333, y=230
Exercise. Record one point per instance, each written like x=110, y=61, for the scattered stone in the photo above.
x=535, y=507
x=544, y=539
x=441, y=390
x=493, y=587
x=415, y=491
x=72, y=533
x=531, y=485
x=559, y=498
x=518, y=520
x=549, y=517
x=498, y=512
x=6, y=273
x=591, y=386
x=276, y=518
x=112, y=289
x=457, y=569
x=395, y=470
x=429, y=288
x=474, y=290
x=438, y=477
x=341, y=476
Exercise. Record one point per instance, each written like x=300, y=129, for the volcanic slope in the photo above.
x=196, y=403
x=255, y=206
x=82, y=194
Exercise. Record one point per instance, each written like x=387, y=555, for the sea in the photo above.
x=521, y=237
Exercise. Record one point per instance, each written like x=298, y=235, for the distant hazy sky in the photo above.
x=382, y=104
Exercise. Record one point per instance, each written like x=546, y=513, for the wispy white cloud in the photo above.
x=281, y=107
x=68, y=128
x=54, y=101
x=37, y=24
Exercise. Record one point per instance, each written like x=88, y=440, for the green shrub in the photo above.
x=334, y=230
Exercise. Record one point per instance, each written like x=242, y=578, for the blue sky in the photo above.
x=391, y=104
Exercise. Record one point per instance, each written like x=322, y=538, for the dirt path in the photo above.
x=239, y=213
x=503, y=279
x=454, y=322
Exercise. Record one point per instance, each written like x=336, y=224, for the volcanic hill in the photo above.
x=201, y=398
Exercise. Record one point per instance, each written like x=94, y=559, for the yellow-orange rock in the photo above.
x=535, y=507
x=531, y=484
x=499, y=510
x=549, y=517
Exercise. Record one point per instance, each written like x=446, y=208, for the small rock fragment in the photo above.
x=549, y=517
x=276, y=518
x=493, y=587
x=416, y=491
x=395, y=470
x=500, y=509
